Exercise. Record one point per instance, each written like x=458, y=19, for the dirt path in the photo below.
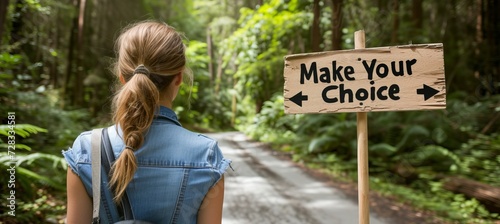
x=265, y=189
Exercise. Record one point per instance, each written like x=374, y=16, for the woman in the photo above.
x=171, y=175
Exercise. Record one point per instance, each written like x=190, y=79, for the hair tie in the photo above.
x=142, y=70
x=155, y=78
x=128, y=147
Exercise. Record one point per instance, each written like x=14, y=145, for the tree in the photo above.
x=336, y=21
x=80, y=76
x=17, y=25
x=488, y=40
x=417, y=17
x=395, y=22
x=257, y=47
x=315, y=28
x=3, y=14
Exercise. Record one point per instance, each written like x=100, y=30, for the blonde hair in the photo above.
x=159, y=48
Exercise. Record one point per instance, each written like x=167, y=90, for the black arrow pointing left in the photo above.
x=298, y=98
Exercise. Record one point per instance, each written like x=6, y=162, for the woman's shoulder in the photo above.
x=181, y=135
x=79, y=152
x=199, y=139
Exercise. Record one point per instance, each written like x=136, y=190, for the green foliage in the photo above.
x=23, y=130
x=272, y=117
x=33, y=170
x=7, y=86
x=481, y=158
x=431, y=196
x=202, y=108
x=8, y=61
x=257, y=47
x=39, y=166
x=43, y=208
x=42, y=110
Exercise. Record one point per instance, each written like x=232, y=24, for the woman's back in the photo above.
x=176, y=169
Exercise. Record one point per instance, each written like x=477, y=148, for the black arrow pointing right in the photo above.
x=427, y=91
x=298, y=98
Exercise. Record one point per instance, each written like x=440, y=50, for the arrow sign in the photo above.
x=395, y=78
x=298, y=98
x=427, y=91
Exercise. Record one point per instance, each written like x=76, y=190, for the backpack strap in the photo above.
x=109, y=156
x=95, y=142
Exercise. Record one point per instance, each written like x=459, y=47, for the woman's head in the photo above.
x=150, y=64
x=155, y=45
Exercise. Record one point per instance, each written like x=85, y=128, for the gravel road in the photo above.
x=264, y=189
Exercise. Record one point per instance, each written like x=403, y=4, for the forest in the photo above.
x=56, y=82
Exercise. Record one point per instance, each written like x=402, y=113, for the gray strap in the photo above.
x=95, y=142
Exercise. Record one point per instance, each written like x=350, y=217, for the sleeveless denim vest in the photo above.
x=176, y=169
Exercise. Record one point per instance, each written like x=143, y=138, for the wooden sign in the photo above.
x=396, y=78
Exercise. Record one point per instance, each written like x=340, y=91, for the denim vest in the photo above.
x=176, y=169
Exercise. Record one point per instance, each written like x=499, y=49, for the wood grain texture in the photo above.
x=428, y=69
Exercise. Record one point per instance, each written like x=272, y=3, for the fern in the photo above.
x=23, y=130
x=18, y=146
x=440, y=158
x=319, y=144
x=29, y=159
x=414, y=132
x=383, y=149
x=34, y=167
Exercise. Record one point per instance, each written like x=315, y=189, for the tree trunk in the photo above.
x=53, y=62
x=395, y=24
x=491, y=37
x=417, y=18
x=251, y=4
x=337, y=24
x=80, y=76
x=17, y=24
x=67, y=93
x=3, y=15
x=234, y=104
x=488, y=195
x=383, y=19
x=218, y=79
x=315, y=31
x=258, y=105
x=210, y=56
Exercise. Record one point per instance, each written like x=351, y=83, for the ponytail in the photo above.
x=141, y=47
x=135, y=106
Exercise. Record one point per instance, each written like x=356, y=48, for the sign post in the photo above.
x=397, y=78
x=362, y=125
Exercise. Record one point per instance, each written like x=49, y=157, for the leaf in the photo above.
x=39, y=178
x=439, y=135
x=23, y=130
x=17, y=146
x=412, y=132
x=37, y=157
x=383, y=149
x=320, y=143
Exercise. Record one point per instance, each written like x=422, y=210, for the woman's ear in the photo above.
x=178, y=79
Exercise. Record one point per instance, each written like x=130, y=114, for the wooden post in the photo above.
x=362, y=124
